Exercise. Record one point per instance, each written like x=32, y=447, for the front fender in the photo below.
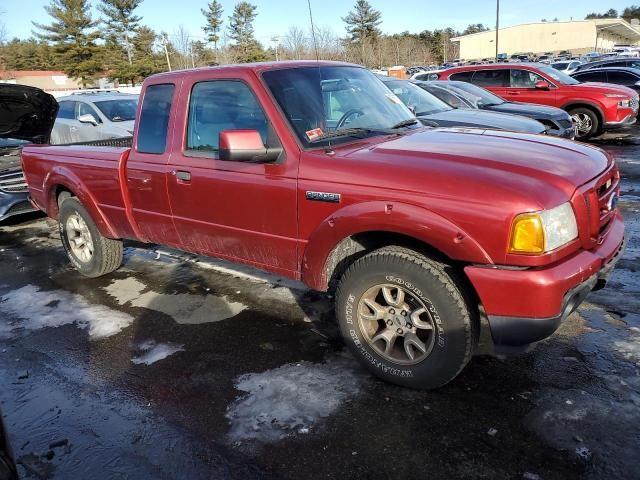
x=393, y=217
x=60, y=176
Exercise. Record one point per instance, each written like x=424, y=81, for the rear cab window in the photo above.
x=462, y=76
x=154, y=118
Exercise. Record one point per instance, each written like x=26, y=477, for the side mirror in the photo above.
x=88, y=118
x=541, y=85
x=245, y=146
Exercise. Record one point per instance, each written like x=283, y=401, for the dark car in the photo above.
x=628, y=77
x=466, y=95
x=610, y=62
x=27, y=115
x=7, y=467
x=432, y=111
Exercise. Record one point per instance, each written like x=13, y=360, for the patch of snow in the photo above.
x=35, y=309
x=292, y=398
x=152, y=352
x=630, y=348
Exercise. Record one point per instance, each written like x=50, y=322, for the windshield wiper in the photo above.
x=405, y=123
x=358, y=132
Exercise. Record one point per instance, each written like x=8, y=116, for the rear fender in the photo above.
x=393, y=217
x=60, y=176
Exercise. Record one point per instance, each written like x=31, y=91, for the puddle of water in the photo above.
x=151, y=352
x=29, y=308
x=184, y=308
x=291, y=399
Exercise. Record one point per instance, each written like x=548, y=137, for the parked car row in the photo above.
x=595, y=107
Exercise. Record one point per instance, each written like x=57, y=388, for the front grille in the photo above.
x=598, y=202
x=13, y=182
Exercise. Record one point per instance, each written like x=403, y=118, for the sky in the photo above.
x=275, y=17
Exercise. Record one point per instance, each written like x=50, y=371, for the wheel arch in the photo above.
x=361, y=228
x=586, y=104
x=61, y=180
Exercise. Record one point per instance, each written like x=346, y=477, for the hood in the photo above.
x=595, y=87
x=26, y=113
x=543, y=112
x=484, y=119
x=508, y=167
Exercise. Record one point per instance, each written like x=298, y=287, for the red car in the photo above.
x=317, y=172
x=595, y=107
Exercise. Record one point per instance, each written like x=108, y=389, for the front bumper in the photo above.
x=14, y=203
x=525, y=306
x=626, y=122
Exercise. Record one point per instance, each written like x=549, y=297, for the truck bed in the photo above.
x=95, y=165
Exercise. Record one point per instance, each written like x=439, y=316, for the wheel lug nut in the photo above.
x=399, y=331
x=408, y=325
x=404, y=313
x=392, y=311
x=389, y=322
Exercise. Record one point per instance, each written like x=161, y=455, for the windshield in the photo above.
x=558, y=76
x=477, y=95
x=322, y=100
x=121, y=110
x=560, y=65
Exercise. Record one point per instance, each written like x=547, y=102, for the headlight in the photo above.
x=540, y=232
x=624, y=102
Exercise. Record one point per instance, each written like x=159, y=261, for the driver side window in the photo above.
x=524, y=79
x=219, y=105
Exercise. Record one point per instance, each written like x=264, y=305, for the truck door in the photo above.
x=147, y=166
x=522, y=88
x=237, y=210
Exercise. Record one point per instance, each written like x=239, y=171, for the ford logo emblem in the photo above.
x=613, y=202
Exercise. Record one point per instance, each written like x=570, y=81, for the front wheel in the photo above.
x=586, y=121
x=405, y=318
x=92, y=254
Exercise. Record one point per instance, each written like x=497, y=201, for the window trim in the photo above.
x=214, y=154
x=167, y=142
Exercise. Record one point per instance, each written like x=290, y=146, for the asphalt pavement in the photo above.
x=177, y=366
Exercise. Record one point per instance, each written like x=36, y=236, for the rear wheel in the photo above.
x=586, y=121
x=405, y=318
x=91, y=254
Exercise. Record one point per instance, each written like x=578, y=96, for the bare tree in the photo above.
x=182, y=43
x=295, y=43
x=3, y=28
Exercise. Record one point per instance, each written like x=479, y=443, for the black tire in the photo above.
x=593, y=118
x=106, y=254
x=455, y=327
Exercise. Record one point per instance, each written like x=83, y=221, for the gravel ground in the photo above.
x=181, y=367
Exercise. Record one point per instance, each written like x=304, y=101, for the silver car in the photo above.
x=88, y=116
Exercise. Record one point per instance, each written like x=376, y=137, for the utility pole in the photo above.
x=165, y=41
x=497, y=26
x=444, y=49
x=275, y=40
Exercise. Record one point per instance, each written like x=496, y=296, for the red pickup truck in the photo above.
x=595, y=107
x=317, y=172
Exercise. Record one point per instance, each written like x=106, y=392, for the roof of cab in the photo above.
x=255, y=67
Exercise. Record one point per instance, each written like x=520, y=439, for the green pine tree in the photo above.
x=240, y=27
x=363, y=22
x=213, y=25
x=121, y=22
x=73, y=35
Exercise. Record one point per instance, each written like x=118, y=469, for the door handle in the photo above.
x=181, y=175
